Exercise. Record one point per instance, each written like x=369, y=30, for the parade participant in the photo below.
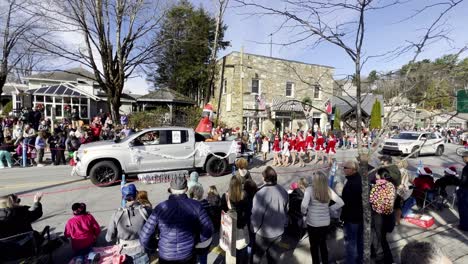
x=285, y=153
x=206, y=123
x=126, y=222
x=309, y=144
x=276, y=150
x=82, y=229
x=330, y=150
x=269, y=219
x=300, y=148
x=315, y=206
x=319, y=141
x=462, y=195
x=293, y=148
x=265, y=147
x=181, y=222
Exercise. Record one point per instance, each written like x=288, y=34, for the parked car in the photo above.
x=408, y=142
x=153, y=150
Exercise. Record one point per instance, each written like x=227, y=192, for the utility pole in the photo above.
x=242, y=87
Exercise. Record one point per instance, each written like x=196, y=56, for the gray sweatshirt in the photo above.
x=126, y=222
x=318, y=213
x=270, y=211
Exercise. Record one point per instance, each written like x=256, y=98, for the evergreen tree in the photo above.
x=376, y=118
x=337, y=120
x=183, y=50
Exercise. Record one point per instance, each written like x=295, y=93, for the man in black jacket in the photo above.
x=351, y=213
x=462, y=195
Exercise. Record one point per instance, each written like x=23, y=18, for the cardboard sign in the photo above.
x=227, y=238
x=176, y=137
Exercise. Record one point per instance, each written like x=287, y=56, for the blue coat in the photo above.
x=181, y=223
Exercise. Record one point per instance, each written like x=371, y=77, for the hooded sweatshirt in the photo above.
x=125, y=224
x=83, y=231
x=193, y=180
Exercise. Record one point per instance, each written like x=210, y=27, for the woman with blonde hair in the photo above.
x=315, y=205
x=236, y=199
x=404, y=191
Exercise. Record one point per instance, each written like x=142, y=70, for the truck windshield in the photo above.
x=408, y=136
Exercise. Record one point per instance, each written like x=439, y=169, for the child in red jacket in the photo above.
x=83, y=230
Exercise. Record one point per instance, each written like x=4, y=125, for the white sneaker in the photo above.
x=40, y=165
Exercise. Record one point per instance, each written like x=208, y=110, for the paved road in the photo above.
x=62, y=190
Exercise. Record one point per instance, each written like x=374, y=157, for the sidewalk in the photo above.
x=444, y=233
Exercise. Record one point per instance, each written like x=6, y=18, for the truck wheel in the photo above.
x=439, y=151
x=415, y=154
x=216, y=166
x=104, y=173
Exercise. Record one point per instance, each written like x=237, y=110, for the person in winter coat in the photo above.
x=450, y=178
x=269, y=217
x=193, y=180
x=15, y=218
x=295, y=214
x=351, y=213
x=242, y=169
x=214, y=211
x=126, y=223
x=315, y=206
x=182, y=224
x=82, y=229
x=196, y=193
x=382, y=197
x=40, y=147
x=462, y=195
x=61, y=146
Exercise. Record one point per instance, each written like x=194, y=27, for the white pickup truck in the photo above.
x=408, y=142
x=153, y=150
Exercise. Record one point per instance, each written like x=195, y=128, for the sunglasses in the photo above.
x=347, y=168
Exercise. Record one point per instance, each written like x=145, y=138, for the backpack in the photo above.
x=126, y=211
x=382, y=197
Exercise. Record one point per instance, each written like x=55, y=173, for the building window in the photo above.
x=316, y=92
x=255, y=86
x=289, y=89
x=225, y=86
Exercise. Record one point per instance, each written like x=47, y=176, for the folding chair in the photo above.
x=451, y=191
x=18, y=246
x=428, y=198
x=15, y=159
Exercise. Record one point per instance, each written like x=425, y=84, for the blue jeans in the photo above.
x=354, y=242
x=407, y=205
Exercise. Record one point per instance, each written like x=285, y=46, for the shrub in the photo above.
x=7, y=108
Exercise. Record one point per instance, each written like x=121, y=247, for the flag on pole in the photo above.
x=328, y=107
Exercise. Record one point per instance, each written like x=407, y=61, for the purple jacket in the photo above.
x=181, y=223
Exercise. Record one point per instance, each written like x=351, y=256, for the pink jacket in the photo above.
x=83, y=231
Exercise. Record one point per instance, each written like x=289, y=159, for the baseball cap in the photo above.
x=129, y=191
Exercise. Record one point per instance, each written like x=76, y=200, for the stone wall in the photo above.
x=238, y=101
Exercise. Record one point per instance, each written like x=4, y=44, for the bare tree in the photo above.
x=117, y=38
x=316, y=21
x=18, y=29
x=222, y=5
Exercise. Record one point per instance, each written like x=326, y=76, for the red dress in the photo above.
x=300, y=144
x=319, y=143
x=292, y=144
x=309, y=141
x=276, y=145
x=331, y=146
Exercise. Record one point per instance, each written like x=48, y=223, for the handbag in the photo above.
x=243, y=238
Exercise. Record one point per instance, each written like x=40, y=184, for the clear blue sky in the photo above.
x=383, y=34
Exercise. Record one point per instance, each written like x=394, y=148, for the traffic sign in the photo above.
x=462, y=101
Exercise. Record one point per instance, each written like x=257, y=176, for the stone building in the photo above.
x=254, y=91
